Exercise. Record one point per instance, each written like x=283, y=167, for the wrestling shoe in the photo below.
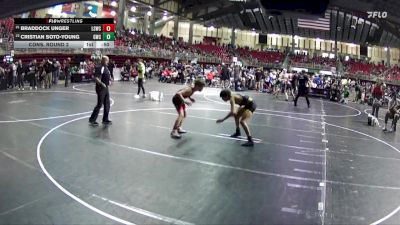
x=182, y=131
x=93, y=123
x=248, y=144
x=107, y=122
x=175, y=135
x=235, y=135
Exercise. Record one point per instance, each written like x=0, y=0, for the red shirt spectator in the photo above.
x=166, y=73
x=377, y=92
x=210, y=76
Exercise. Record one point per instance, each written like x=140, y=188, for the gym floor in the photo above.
x=318, y=165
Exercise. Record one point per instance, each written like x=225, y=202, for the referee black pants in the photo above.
x=103, y=99
x=297, y=97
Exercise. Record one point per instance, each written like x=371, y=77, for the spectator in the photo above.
x=210, y=78
x=377, y=95
x=55, y=66
x=236, y=77
x=393, y=112
x=32, y=71
x=20, y=75
x=141, y=68
x=67, y=70
x=3, y=80
x=224, y=76
x=48, y=69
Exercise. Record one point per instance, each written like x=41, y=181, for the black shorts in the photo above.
x=293, y=85
x=283, y=87
x=224, y=78
x=251, y=106
x=178, y=103
x=289, y=86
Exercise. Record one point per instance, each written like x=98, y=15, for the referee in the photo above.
x=102, y=78
x=302, y=89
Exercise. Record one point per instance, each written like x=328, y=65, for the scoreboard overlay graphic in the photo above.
x=64, y=33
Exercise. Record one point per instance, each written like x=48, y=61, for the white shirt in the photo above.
x=102, y=69
x=14, y=69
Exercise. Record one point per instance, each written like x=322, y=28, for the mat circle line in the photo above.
x=65, y=191
x=51, y=117
x=75, y=87
x=366, y=112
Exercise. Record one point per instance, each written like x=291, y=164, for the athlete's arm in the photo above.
x=186, y=91
x=232, y=101
x=192, y=99
x=231, y=113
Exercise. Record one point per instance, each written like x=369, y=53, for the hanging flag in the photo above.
x=321, y=23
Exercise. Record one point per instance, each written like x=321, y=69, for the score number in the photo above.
x=108, y=27
x=108, y=32
x=108, y=36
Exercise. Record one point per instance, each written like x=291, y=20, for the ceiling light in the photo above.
x=133, y=9
x=114, y=3
x=113, y=13
x=149, y=13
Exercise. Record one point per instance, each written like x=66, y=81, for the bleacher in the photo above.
x=363, y=68
x=218, y=51
x=268, y=57
x=393, y=74
x=164, y=48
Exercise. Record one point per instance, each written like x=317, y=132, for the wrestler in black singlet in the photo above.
x=248, y=103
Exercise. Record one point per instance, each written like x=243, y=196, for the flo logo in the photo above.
x=375, y=14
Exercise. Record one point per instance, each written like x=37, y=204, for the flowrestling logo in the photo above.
x=376, y=14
